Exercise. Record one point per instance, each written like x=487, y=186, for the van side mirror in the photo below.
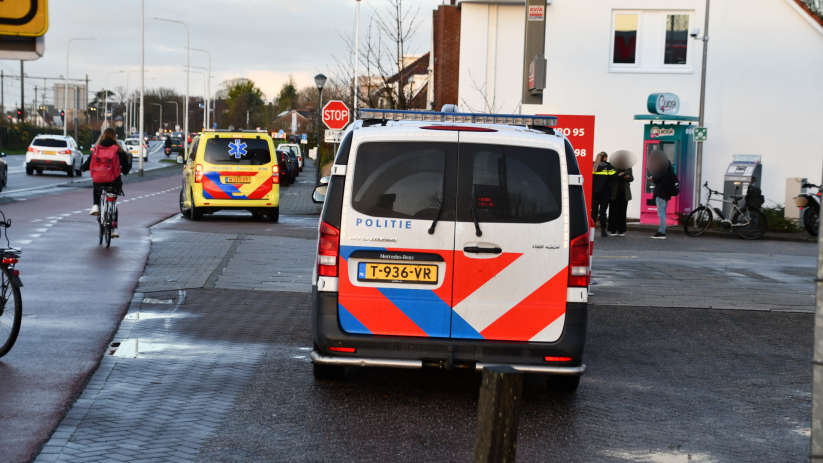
x=180, y=159
x=319, y=194
x=325, y=180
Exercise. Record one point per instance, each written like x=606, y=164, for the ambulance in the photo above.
x=231, y=170
x=452, y=240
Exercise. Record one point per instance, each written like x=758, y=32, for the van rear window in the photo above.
x=509, y=184
x=400, y=180
x=240, y=151
x=49, y=143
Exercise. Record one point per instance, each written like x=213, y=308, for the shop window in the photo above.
x=625, y=39
x=677, y=39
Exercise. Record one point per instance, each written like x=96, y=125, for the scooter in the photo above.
x=168, y=152
x=809, y=205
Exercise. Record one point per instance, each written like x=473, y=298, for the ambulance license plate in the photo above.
x=238, y=179
x=49, y=152
x=394, y=273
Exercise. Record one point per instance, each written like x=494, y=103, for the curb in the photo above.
x=678, y=230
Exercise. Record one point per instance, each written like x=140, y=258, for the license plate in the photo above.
x=134, y=152
x=49, y=152
x=238, y=179
x=397, y=273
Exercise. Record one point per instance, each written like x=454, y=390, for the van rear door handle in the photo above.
x=479, y=250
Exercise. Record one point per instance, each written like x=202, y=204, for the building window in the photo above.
x=625, y=39
x=677, y=39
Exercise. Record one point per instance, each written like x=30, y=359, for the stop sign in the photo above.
x=336, y=115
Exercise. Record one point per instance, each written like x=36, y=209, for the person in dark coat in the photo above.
x=666, y=185
x=602, y=175
x=620, y=197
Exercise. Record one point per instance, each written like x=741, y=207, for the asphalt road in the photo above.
x=75, y=295
x=20, y=185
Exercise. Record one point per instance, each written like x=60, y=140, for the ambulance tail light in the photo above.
x=558, y=359
x=579, y=262
x=348, y=350
x=328, y=250
x=198, y=173
x=275, y=174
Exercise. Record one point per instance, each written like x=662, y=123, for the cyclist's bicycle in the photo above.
x=11, y=304
x=108, y=212
x=749, y=222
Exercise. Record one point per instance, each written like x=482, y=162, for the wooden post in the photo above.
x=498, y=414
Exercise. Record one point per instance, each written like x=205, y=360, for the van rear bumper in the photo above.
x=406, y=352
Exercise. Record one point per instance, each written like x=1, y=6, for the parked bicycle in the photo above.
x=11, y=304
x=748, y=222
x=108, y=212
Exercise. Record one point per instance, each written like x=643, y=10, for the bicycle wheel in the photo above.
x=107, y=231
x=811, y=220
x=698, y=221
x=750, y=224
x=100, y=221
x=11, y=312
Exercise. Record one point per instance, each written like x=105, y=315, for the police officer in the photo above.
x=602, y=175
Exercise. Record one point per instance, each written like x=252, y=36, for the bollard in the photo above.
x=498, y=414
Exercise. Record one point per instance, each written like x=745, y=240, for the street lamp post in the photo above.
x=66, y=82
x=177, y=109
x=141, y=123
x=208, y=91
x=161, y=113
x=699, y=171
x=106, y=93
x=186, y=103
x=320, y=81
x=205, y=100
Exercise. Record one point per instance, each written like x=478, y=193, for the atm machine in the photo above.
x=744, y=171
x=676, y=140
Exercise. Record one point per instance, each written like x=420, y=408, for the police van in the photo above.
x=452, y=240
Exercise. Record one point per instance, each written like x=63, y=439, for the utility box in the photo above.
x=794, y=186
x=744, y=172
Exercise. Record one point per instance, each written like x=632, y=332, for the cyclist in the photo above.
x=107, y=161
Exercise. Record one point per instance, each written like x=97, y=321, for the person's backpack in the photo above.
x=105, y=164
x=754, y=198
x=674, y=184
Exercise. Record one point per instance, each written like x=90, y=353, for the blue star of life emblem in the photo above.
x=237, y=149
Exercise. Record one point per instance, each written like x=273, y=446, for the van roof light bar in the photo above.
x=433, y=116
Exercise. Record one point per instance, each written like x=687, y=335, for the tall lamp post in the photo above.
x=106, y=96
x=66, y=83
x=177, y=109
x=320, y=81
x=208, y=90
x=186, y=103
x=161, y=113
x=705, y=39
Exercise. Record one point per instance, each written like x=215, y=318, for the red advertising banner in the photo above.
x=580, y=132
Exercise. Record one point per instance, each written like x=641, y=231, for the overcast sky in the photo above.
x=265, y=40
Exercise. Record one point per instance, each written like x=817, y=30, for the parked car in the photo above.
x=283, y=166
x=54, y=152
x=290, y=165
x=133, y=146
x=452, y=245
x=4, y=171
x=231, y=170
x=295, y=148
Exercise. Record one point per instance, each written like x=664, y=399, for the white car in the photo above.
x=295, y=148
x=54, y=152
x=133, y=146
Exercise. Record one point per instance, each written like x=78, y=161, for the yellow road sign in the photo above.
x=28, y=18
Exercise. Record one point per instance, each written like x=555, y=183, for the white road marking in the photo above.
x=77, y=212
x=35, y=236
x=42, y=230
x=24, y=241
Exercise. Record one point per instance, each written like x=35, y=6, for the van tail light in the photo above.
x=198, y=173
x=275, y=174
x=328, y=250
x=579, y=262
x=558, y=359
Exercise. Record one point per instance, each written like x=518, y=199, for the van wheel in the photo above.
x=184, y=211
x=328, y=372
x=273, y=215
x=29, y=170
x=562, y=383
x=194, y=212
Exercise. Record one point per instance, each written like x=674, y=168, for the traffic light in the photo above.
x=9, y=116
x=19, y=114
x=62, y=114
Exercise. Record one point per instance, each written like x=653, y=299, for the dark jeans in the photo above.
x=617, y=214
x=600, y=202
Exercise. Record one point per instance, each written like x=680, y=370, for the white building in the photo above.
x=763, y=95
